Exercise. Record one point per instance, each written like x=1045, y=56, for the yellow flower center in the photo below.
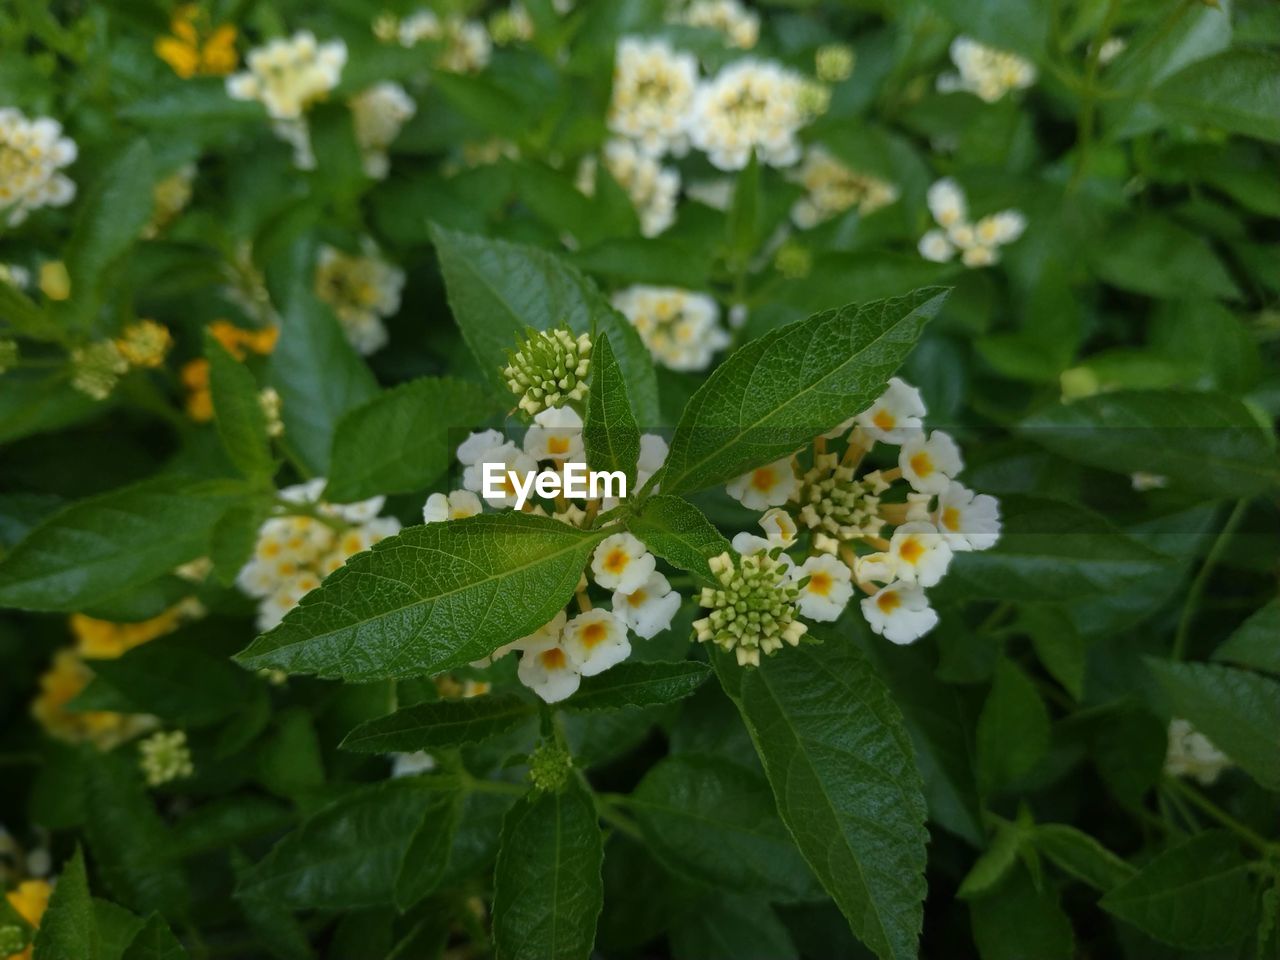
x=557, y=445
x=594, y=634
x=884, y=419
x=922, y=464
x=552, y=659
x=911, y=551
x=637, y=598
x=616, y=560
x=888, y=601
x=820, y=583
x=951, y=518
x=763, y=479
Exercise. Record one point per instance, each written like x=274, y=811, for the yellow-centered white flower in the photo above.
x=595, y=641
x=681, y=328
x=968, y=520
x=930, y=461
x=649, y=608
x=32, y=154
x=896, y=416
x=828, y=590
x=455, y=505
x=899, y=612
x=768, y=486
x=653, y=88
x=753, y=105
x=919, y=553
x=556, y=434
x=985, y=71
x=379, y=114
x=547, y=669
x=622, y=563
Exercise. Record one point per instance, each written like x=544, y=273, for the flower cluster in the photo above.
x=379, y=114
x=170, y=197
x=985, y=71
x=978, y=243
x=549, y=368
x=32, y=154
x=464, y=45
x=295, y=552
x=892, y=533
x=831, y=188
x=652, y=188
x=653, y=90
x=237, y=341
x=681, y=328
x=287, y=77
x=196, y=47
x=753, y=609
x=739, y=25
x=165, y=757
x=65, y=680
x=362, y=289
x=1192, y=754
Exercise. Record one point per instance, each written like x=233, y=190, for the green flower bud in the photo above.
x=753, y=610
x=549, y=368
x=834, y=62
x=550, y=768
x=96, y=368
x=834, y=501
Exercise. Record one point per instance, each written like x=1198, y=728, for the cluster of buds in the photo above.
x=753, y=610
x=165, y=757
x=549, y=368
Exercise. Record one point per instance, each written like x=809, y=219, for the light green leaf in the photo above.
x=776, y=393
x=497, y=289
x=401, y=440
x=1006, y=24
x=639, y=684
x=155, y=941
x=844, y=777
x=547, y=890
x=1205, y=443
x=1236, y=90
x=33, y=401
x=1013, y=730
x=98, y=547
x=1256, y=643
x=439, y=723
x=609, y=430
x=995, y=862
x=434, y=597
x=1080, y=855
x=715, y=822
x=67, y=930
x=22, y=316
x=367, y=849
x=1236, y=709
x=678, y=532
x=1196, y=896
x=238, y=413
x=1053, y=552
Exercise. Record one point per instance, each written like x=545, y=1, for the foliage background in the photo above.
x=1133, y=328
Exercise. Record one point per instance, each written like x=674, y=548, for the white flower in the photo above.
x=653, y=188
x=361, y=289
x=930, y=462
x=556, y=434
x=512, y=460
x=649, y=608
x=896, y=416
x=968, y=520
x=985, y=71
x=32, y=154
x=979, y=256
x=549, y=631
x=1000, y=228
x=474, y=449
x=900, y=612
x=681, y=328
x=1192, y=754
x=653, y=454
x=752, y=105
x=833, y=188
x=740, y=26
x=874, y=568
x=1143, y=481
x=919, y=553
x=465, y=44
x=595, y=641
x=455, y=505
x=653, y=89
x=411, y=764
x=288, y=76
x=379, y=113
x=768, y=486
x=978, y=243
x=1113, y=47
x=622, y=563
x=935, y=246
x=746, y=543
x=779, y=527
x=829, y=588
x=547, y=670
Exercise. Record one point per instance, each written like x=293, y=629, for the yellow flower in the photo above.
x=237, y=341
x=105, y=640
x=144, y=344
x=194, y=48
x=55, y=282
x=64, y=680
x=30, y=899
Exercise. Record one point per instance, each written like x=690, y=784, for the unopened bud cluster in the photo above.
x=550, y=768
x=165, y=757
x=835, y=501
x=549, y=369
x=753, y=611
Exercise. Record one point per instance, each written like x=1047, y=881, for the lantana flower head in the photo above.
x=362, y=289
x=681, y=328
x=986, y=72
x=653, y=88
x=32, y=155
x=549, y=368
x=621, y=562
x=832, y=187
x=752, y=610
x=977, y=243
x=739, y=24
x=1192, y=754
x=379, y=113
x=595, y=641
x=165, y=757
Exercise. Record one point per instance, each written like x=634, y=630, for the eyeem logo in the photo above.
x=575, y=482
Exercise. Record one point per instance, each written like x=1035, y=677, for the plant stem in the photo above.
x=1202, y=578
x=1086, y=121
x=610, y=814
x=1207, y=806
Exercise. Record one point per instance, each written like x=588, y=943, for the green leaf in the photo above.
x=744, y=928
x=381, y=844
x=1005, y=24
x=497, y=289
x=1157, y=257
x=609, y=430
x=1196, y=895
x=1052, y=552
x=238, y=413
x=155, y=941
x=1019, y=920
x=1080, y=855
x=1236, y=709
x=844, y=777
x=1254, y=643
x=995, y=862
x=22, y=316
x=116, y=928
x=1013, y=730
x=639, y=684
x=776, y=393
x=1205, y=443
x=318, y=375
x=436, y=596
x=714, y=821
x=1236, y=90
x=34, y=402
x=234, y=536
x=679, y=533
x=401, y=440
x=440, y=723
x=67, y=930
x=743, y=223
x=547, y=891
x=107, y=544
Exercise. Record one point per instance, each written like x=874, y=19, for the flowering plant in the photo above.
x=924, y=352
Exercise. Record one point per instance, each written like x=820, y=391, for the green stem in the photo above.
x=1086, y=121
x=1202, y=579
x=1208, y=807
x=607, y=807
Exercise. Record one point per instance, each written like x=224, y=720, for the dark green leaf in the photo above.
x=155, y=941
x=845, y=782
x=401, y=440
x=677, y=531
x=1081, y=856
x=776, y=393
x=1019, y=920
x=547, y=891
x=1237, y=91
x=744, y=928
x=609, y=431
x=440, y=723
x=67, y=930
x=1013, y=730
x=238, y=413
x=1159, y=258
x=638, y=684
x=1255, y=643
